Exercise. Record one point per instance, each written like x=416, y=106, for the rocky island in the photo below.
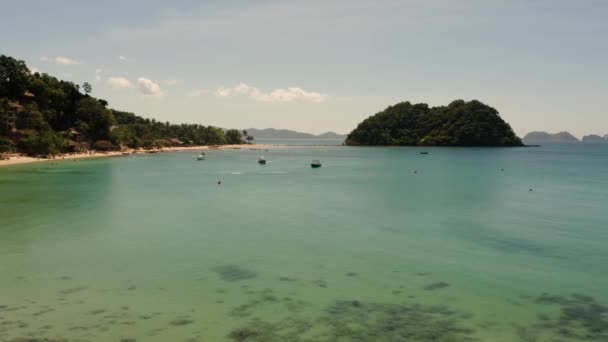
x=461, y=123
x=593, y=138
x=544, y=138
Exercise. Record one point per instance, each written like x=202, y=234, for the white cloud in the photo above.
x=291, y=94
x=223, y=92
x=66, y=61
x=196, y=92
x=118, y=83
x=98, y=75
x=123, y=58
x=45, y=59
x=242, y=88
x=149, y=87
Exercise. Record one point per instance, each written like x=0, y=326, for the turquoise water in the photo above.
x=380, y=244
x=301, y=142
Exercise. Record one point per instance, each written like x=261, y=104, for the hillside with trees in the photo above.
x=460, y=123
x=42, y=115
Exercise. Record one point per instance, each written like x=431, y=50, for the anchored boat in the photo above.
x=315, y=164
x=262, y=160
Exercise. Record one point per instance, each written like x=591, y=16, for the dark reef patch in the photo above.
x=260, y=331
x=266, y=297
x=580, y=318
x=74, y=290
x=181, y=321
x=436, y=286
x=37, y=339
x=360, y=321
x=321, y=283
x=233, y=273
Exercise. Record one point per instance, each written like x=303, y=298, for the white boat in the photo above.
x=200, y=157
x=262, y=160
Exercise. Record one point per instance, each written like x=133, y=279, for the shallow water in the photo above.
x=380, y=244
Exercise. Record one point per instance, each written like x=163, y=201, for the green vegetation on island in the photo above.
x=41, y=115
x=461, y=123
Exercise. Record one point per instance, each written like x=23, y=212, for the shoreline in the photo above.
x=20, y=159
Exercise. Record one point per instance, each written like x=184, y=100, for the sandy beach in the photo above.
x=21, y=159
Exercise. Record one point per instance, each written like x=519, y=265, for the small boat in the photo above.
x=200, y=156
x=262, y=160
x=424, y=152
x=315, y=163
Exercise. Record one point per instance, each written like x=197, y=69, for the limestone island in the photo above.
x=461, y=123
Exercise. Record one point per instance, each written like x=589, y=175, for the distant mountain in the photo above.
x=592, y=138
x=544, y=137
x=272, y=133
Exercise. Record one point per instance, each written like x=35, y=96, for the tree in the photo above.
x=6, y=145
x=93, y=119
x=31, y=118
x=233, y=137
x=14, y=77
x=44, y=143
x=88, y=88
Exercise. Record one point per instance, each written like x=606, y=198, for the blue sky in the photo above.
x=323, y=65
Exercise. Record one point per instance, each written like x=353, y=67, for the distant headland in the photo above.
x=272, y=133
x=461, y=123
x=540, y=137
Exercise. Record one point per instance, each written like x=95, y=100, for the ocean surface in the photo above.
x=379, y=244
x=301, y=142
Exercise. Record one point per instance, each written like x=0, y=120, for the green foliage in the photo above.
x=233, y=137
x=6, y=145
x=87, y=87
x=14, y=77
x=59, y=106
x=93, y=119
x=31, y=118
x=459, y=124
x=44, y=143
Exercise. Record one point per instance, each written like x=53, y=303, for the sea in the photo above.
x=379, y=244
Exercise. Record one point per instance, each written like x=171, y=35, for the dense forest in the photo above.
x=41, y=115
x=460, y=123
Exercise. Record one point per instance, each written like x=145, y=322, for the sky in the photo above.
x=317, y=66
